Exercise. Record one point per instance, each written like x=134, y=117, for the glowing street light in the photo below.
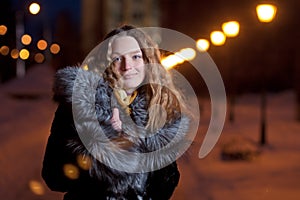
x=42, y=45
x=4, y=50
x=54, y=48
x=231, y=28
x=187, y=54
x=265, y=14
x=217, y=38
x=34, y=8
x=39, y=58
x=14, y=53
x=202, y=45
x=24, y=54
x=3, y=29
x=26, y=39
x=171, y=61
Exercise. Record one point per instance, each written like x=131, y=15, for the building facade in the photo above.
x=99, y=17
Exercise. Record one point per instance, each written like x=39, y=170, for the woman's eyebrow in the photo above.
x=135, y=52
x=129, y=52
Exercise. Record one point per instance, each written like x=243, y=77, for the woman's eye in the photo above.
x=117, y=59
x=137, y=57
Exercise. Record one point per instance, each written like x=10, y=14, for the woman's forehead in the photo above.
x=124, y=45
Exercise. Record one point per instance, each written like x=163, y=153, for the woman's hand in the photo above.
x=115, y=120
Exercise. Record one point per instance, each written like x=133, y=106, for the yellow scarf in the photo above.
x=124, y=99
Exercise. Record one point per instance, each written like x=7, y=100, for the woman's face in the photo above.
x=127, y=59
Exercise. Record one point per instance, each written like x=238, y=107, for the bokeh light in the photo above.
x=42, y=45
x=187, y=54
x=217, y=38
x=24, y=54
x=14, y=53
x=71, y=171
x=55, y=48
x=202, y=45
x=84, y=162
x=39, y=58
x=4, y=50
x=85, y=67
x=26, y=39
x=3, y=29
x=266, y=12
x=171, y=61
x=231, y=28
x=34, y=8
x=36, y=187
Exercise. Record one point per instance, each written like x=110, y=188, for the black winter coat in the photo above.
x=77, y=91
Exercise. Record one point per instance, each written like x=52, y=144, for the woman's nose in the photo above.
x=127, y=65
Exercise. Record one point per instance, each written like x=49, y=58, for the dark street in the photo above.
x=256, y=157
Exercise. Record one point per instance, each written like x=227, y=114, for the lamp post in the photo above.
x=20, y=65
x=231, y=30
x=265, y=14
x=34, y=9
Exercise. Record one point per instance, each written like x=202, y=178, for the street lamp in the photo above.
x=185, y=54
x=217, y=38
x=231, y=29
x=202, y=45
x=20, y=29
x=34, y=8
x=265, y=14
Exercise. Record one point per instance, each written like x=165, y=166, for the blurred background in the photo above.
x=259, y=60
x=67, y=30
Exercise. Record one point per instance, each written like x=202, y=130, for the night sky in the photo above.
x=50, y=10
x=53, y=7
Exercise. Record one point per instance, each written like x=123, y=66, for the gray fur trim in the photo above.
x=92, y=100
x=64, y=82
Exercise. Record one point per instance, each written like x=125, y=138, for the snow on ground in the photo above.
x=25, y=119
x=273, y=173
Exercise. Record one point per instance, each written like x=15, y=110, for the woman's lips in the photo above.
x=129, y=76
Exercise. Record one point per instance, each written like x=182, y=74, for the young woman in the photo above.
x=117, y=134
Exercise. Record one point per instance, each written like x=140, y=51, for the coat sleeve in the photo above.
x=61, y=168
x=57, y=156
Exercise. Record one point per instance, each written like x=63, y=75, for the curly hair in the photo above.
x=163, y=91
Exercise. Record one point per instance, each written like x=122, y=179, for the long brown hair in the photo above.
x=163, y=91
